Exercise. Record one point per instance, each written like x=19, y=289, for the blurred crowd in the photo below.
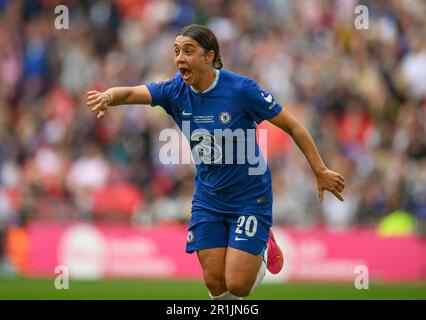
x=360, y=92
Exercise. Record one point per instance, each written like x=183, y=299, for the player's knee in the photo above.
x=238, y=288
x=215, y=283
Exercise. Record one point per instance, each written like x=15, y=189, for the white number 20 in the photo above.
x=250, y=225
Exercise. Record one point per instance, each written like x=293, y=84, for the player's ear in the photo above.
x=209, y=57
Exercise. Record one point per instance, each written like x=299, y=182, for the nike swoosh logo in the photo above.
x=268, y=98
x=184, y=113
x=239, y=239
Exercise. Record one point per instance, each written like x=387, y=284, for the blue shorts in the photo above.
x=247, y=232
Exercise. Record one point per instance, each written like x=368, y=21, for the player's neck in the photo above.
x=206, y=81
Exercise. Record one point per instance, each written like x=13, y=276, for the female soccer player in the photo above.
x=231, y=218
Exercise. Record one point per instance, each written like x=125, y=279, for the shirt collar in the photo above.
x=212, y=85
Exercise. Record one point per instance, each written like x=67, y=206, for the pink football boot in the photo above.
x=275, y=256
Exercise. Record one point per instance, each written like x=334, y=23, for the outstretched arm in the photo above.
x=326, y=179
x=99, y=101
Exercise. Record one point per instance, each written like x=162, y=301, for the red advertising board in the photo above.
x=110, y=251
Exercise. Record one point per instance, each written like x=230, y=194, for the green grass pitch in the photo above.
x=191, y=289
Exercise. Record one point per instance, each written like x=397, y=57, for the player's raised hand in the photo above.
x=98, y=102
x=330, y=181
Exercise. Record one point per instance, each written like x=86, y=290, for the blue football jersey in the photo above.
x=220, y=123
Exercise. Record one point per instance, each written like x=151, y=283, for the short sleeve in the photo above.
x=162, y=93
x=260, y=104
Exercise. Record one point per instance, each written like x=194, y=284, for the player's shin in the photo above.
x=261, y=272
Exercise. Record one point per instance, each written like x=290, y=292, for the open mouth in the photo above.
x=186, y=73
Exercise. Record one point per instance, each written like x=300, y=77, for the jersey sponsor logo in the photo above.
x=207, y=150
x=268, y=98
x=190, y=237
x=237, y=238
x=222, y=146
x=225, y=117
